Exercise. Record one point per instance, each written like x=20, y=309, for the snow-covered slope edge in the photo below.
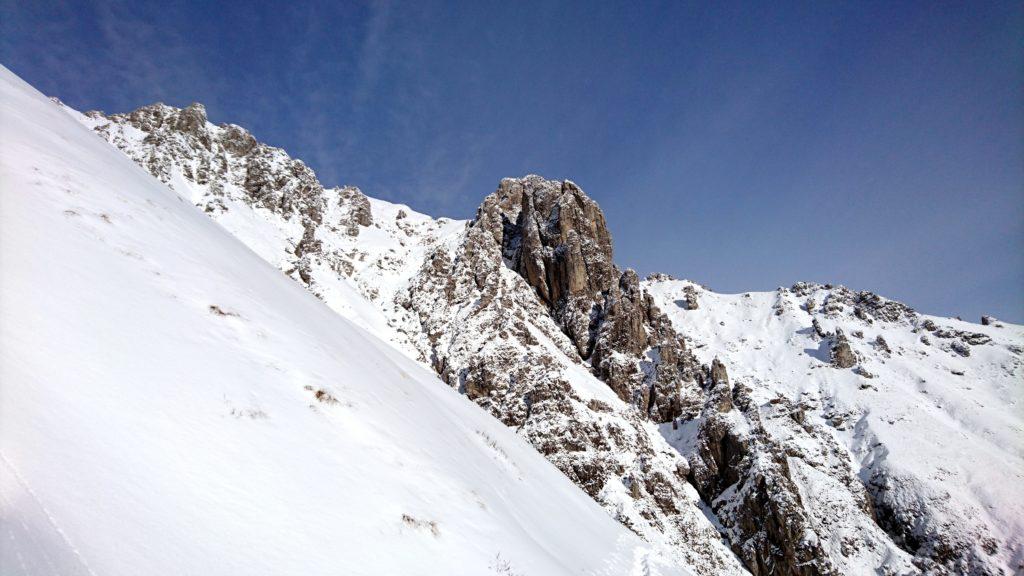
x=171, y=404
x=927, y=409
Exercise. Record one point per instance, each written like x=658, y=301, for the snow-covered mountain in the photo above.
x=880, y=416
x=440, y=290
x=172, y=404
x=812, y=430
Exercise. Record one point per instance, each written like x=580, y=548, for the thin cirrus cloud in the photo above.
x=877, y=145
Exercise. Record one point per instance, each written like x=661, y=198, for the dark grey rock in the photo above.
x=841, y=352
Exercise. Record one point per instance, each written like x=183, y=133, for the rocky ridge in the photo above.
x=523, y=310
x=488, y=331
x=897, y=447
x=442, y=292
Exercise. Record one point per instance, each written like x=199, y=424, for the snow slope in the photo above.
x=172, y=404
x=931, y=414
x=904, y=460
x=351, y=251
x=437, y=289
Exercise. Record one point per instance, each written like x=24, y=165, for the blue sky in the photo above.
x=877, y=145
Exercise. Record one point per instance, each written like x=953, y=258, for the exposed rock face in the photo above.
x=842, y=353
x=882, y=344
x=767, y=509
x=720, y=390
x=719, y=375
x=758, y=488
x=960, y=347
x=818, y=330
x=229, y=163
x=990, y=321
x=690, y=298
x=359, y=209
x=556, y=238
x=182, y=139
x=192, y=120
x=614, y=324
x=885, y=510
x=501, y=319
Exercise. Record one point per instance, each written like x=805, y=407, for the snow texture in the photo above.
x=873, y=438
x=172, y=404
x=439, y=291
x=932, y=432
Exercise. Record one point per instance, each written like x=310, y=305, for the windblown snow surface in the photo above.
x=172, y=404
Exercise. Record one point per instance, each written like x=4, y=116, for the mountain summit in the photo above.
x=809, y=430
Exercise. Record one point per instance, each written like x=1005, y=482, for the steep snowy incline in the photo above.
x=816, y=457
x=172, y=404
x=439, y=290
x=351, y=251
x=929, y=410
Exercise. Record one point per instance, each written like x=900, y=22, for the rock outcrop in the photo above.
x=850, y=455
x=513, y=316
x=841, y=352
x=759, y=489
x=556, y=238
x=614, y=328
x=229, y=163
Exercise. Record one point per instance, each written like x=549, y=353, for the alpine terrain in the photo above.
x=166, y=389
x=171, y=404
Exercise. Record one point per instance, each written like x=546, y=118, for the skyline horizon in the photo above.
x=866, y=145
x=641, y=273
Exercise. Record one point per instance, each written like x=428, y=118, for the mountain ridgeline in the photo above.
x=173, y=404
x=781, y=433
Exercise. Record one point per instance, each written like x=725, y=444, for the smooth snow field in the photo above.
x=171, y=404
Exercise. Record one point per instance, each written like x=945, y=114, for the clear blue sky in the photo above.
x=877, y=145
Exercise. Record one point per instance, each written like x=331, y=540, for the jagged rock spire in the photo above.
x=556, y=238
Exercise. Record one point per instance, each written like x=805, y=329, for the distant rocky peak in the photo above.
x=237, y=140
x=225, y=164
x=556, y=238
x=192, y=119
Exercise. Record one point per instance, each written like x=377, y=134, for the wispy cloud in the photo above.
x=353, y=91
x=128, y=49
x=399, y=110
x=372, y=53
